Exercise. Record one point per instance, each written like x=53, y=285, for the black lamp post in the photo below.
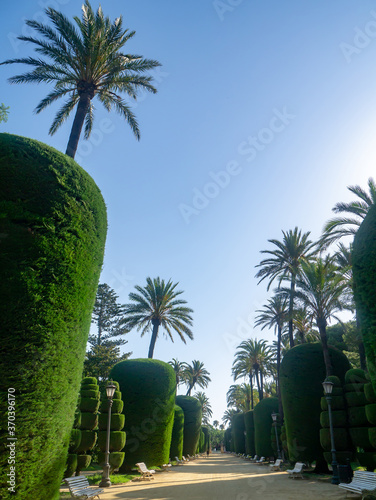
x=106, y=483
x=328, y=387
x=274, y=417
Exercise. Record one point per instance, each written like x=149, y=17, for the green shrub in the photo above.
x=71, y=465
x=148, y=387
x=371, y=413
x=89, y=405
x=359, y=436
x=53, y=223
x=77, y=419
x=90, y=387
x=355, y=399
x=117, y=406
x=263, y=424
x=89, y=394
x=367, y=459
x=341, y=442
x=89, y=381
x=238, y=429
x=357, y=416
x=337, y=403
x=88, y=440
x=355, y=376
x=228, y=439
x=89, y=421
x=83, y=462
x=207, y=445
x=116, y=459
x=372, y=436
x=249, y=433
x=75, y=440
x=192, y=423
x=117, y=421
x=354, y=387
x=369, y=392
x=201, y=442
x=339, y=418
x=341, y=456
x=117, y=440
x=176, y=448
x=301, y=376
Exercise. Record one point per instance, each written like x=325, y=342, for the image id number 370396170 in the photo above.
x=11, y=474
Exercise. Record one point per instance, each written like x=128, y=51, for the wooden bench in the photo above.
x=361, y=482
x=79, y=487
x=296, y=471
x=144, y=471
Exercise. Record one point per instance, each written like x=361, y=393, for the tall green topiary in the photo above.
x=238, y=430
x=148, y=387
x=262, y=415
x=201, y=442
x=301, y=376
x=192, y=422
x=53, y=229
x=341, y=436
x=228, y=439
x=273, y=436
x=176, y=448
x=249, y=433
x=207, y=441
x=363, y=259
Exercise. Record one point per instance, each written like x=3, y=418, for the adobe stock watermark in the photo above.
x=40, y=16
x=244, y=330
x=223, y=7
x=361, y=39
x=250, y=149
x=120, y=281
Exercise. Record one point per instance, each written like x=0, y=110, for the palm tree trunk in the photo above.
x=291, y=310
x=258, y=383
x=189, y=391
x=154, y=336
x=79, y=119
x=324, y=341
x=262, y=384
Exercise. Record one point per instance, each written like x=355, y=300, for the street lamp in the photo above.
x=106, y=483
x=328, y=387
x=274, y=417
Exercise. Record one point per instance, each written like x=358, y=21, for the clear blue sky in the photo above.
x=281, y=94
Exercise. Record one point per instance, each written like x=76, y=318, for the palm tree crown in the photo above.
x=339, y=227
x=285, y=263
x=84, y=60
x=207, y=412
x=157, y=305
x=196, y=374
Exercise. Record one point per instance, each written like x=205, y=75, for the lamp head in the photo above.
x=110, y=390
x=328, y=387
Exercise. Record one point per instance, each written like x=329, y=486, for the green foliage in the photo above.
x=117, y=440
x=71, y=465
x=4, y=112
x=342, y=457
x=339, y=418
x=207, y=441
x=355, y=398
x=357, y=416
x=249, y=433
x=228, y=439
x=176, y=447
x=117, y=421
x=355, y=376
x=364, y=275
x=92, y=381
x=89, y=421
x=117, y=406
x=88, y=440
x=101, y=358
x=263, y=424
x=335, y=334
x=369, y=392
x=90, y=394
x=337, y=403
x=302, y=374
x=360, y=438
x=367, y=459
x=83, y=462
x=53, y=227
x=116, y=460
x=148, y=387
x=341, y=441
x=192, y=423
x=74, y=441
x=371, y=413
x=372, y=436
x=238, y=429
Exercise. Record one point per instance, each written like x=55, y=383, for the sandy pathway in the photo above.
x=224, y=477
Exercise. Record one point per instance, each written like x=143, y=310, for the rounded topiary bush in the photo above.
x=53, y=229
x=117, y=421
x=249, y=433
x=301, y=376
x=371, y=413
x=262, y=416
x=88, y=441
x=192, y=422
x=71, y=465
x=176, y=447
x=369, y=392
x=148, y=387
x=116, y=459
x=238, y=430
x=341, y=442
x=117, y=440
x=83, y=462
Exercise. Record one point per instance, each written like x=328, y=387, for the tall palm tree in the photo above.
x=228, y=414
x=84, y=60
x=207, y=412
x=239, y=396
x=274, y=315
x=355, y=211
x=157, y=305
x=178, y=368
x=252, y=358
x=196, y=374
x=285, y=263
x=323, y=291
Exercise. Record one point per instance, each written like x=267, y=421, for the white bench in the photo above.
x=276, y=465
x=254, y=459
x=261, y=461
x=144, y=471
x=296, y=471
x=79, y=487
x=362, y=481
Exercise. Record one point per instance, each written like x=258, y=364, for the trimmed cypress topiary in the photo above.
x=148, y=387
x=207, y=445
x=53, y=229
x=192, y=422
x=249, y=433
x=238, y=430
x=301, y=376
x=228, y=439
x=176, y=448
x=262, y=415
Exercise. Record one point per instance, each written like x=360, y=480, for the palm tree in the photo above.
x=322, y=290
x=348, y=225
x=285, y=263
x=84, y=60
x=274, y=314
x=228, y=414
x=196, y=374
x=157, y=305
x=215, y=423
x=252, y=358
x=207, y=412
x=239, y=396
x=178, y=368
